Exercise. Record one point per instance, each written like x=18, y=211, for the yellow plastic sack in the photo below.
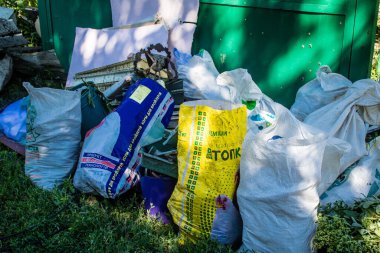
x=210, y=138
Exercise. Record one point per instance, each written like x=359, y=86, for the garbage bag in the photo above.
x=335, y=150
x=359, y=181
x=13, y=120
x=280, y=170
x=321, y=91
x=347, y=118
x=263, y=116
x=156, y=192
x=53, y=135
x=199, y=77
x=240, y=85
x=110, y=159
x=210, y=136
x=227, y=225
x=201, y=80
x=93, y=105
x=180, y=57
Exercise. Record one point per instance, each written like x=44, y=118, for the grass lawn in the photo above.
x=34, y=220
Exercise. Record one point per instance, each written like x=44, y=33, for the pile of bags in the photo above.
x=248, y=168
x=110, y=159
x=290, y=159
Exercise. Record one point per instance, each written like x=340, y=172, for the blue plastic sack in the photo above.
x=13, y=120
x=181, y=58
x=157, y=192
x=227, y=226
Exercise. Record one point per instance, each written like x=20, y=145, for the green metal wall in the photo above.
x=59, y=18
x=281, y=42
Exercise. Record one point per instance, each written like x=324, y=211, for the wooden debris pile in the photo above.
x=10, y=35
x=15, y=55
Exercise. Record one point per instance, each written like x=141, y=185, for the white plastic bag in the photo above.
x=53, y=135
x=331, y=162
x=201, y=80
x=240, y=85
x=280, y=170
x=263, y=116
x=199, y=77
x=323, y=90
x=359, y=181
x=345, y=118
x=227, y=225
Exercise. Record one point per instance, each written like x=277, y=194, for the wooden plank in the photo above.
x=37, y=61
x=19, y=50
x=8, y=27
x=12, y=41
x=15, y=146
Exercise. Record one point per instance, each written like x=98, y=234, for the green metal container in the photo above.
x=59, y=18
x=281, y=42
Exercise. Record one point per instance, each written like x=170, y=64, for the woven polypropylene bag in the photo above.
x=210, y=137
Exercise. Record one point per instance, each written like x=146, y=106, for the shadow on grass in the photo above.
x=33, y=220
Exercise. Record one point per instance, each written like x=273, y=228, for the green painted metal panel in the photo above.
x=322, y=6
x=63, y=16
x=45, y=24
x=363, y=38
x=281, y=43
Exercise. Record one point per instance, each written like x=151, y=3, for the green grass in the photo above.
x=67, y=221
x=343, y=228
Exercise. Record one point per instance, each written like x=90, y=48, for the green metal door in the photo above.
x=59, y=18
x=282, y=43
